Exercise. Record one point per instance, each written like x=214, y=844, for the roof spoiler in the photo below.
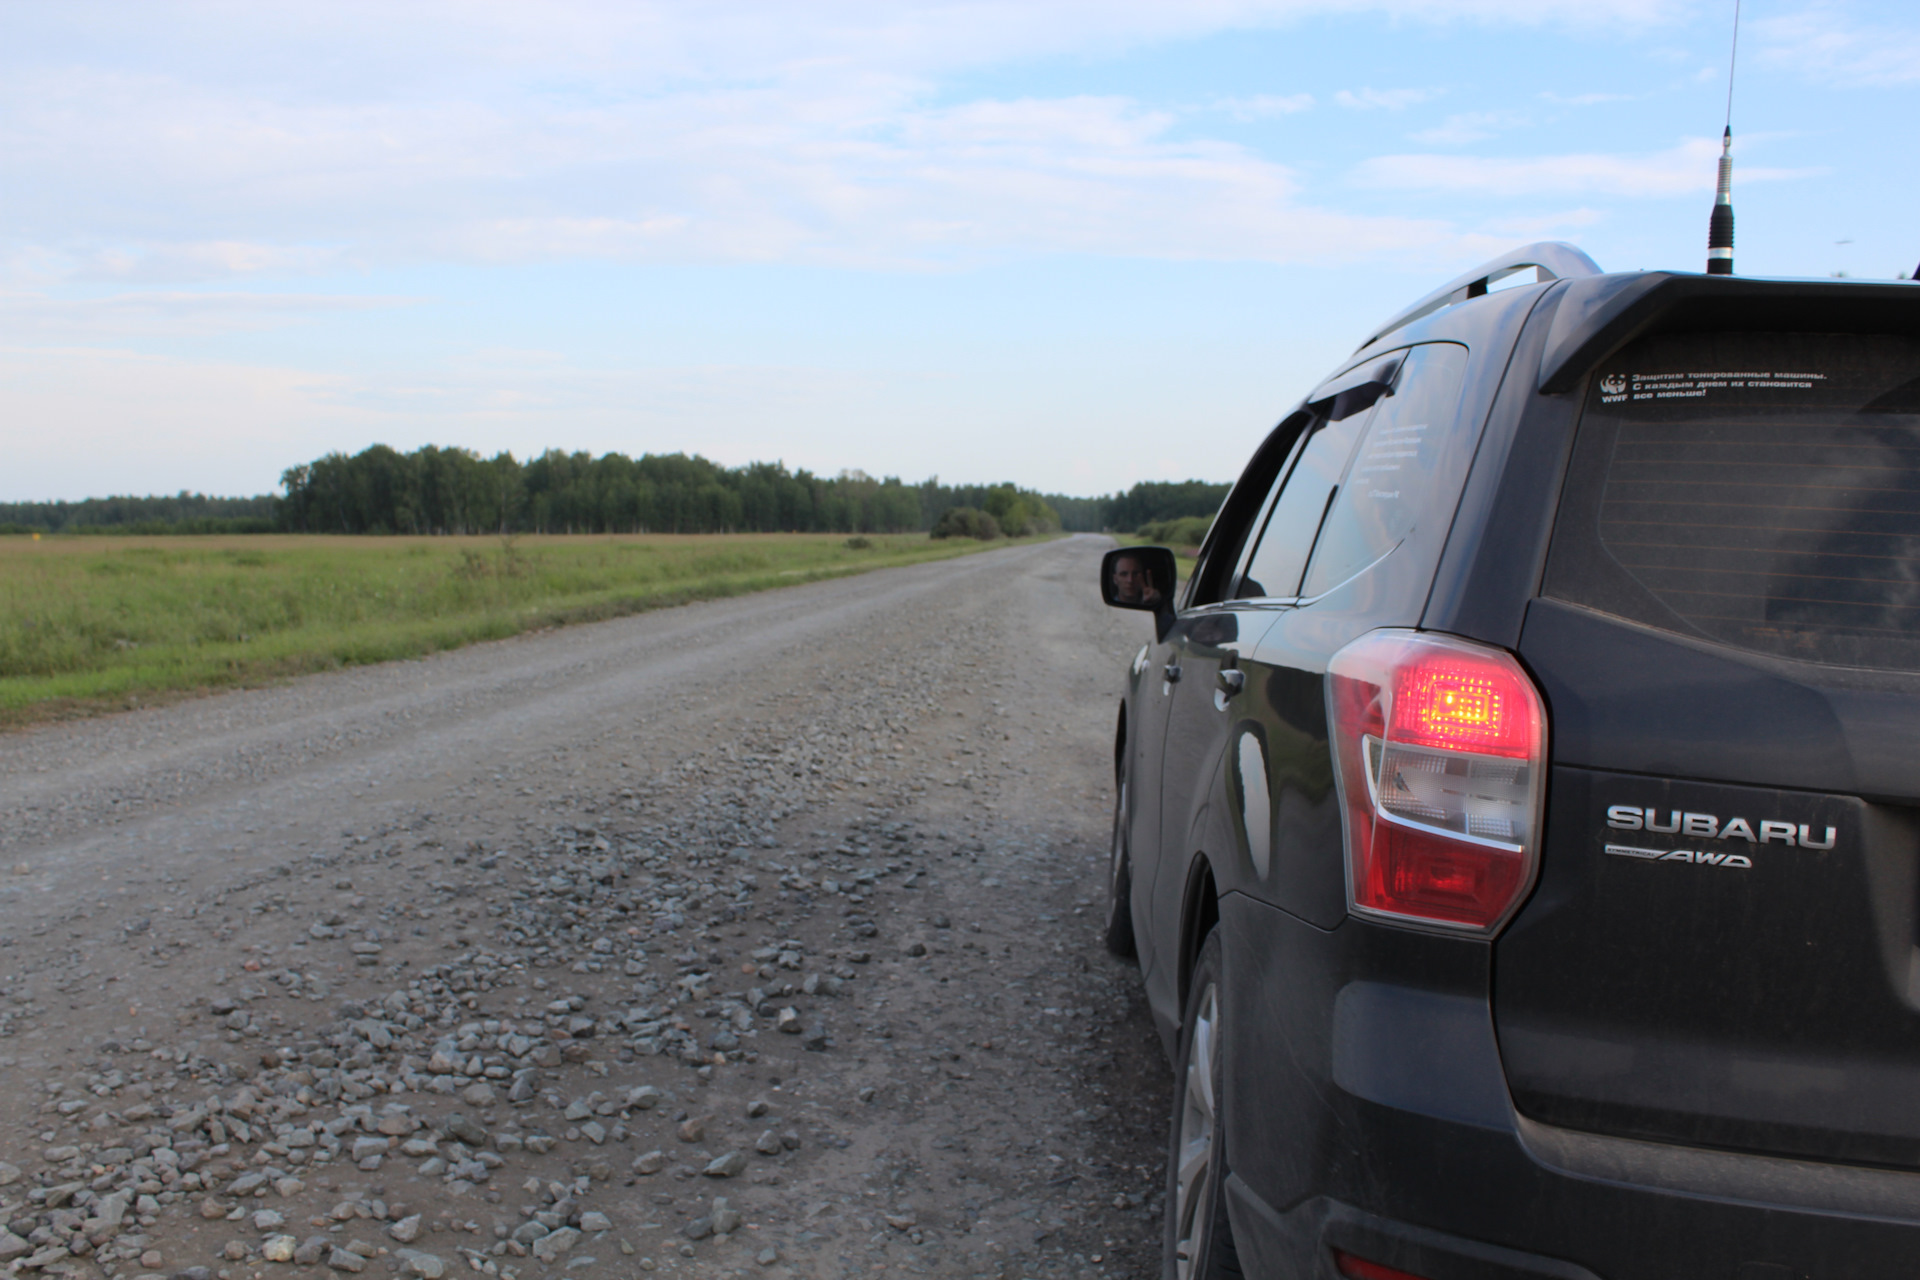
x=1595, y=318
x=1548, y=259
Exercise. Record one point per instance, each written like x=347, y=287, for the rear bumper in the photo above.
x=1373, y=1117
x=1302, y=1243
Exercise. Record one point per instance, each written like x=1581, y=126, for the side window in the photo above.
x=1414, y=441
x=1238, y=514
x=1275, y=568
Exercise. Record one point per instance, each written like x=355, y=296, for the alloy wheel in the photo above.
x=1193, y=1173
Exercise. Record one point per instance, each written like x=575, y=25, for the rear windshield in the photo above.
x=1756, y=490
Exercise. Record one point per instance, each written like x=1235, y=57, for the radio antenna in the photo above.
x=1720, y=224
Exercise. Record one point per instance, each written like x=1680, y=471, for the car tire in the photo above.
x=1199, y=1240
x=1119, y=932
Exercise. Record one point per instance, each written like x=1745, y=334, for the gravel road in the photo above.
x=756, y=937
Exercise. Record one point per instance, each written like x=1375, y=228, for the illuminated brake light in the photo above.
x=1357, y=1268
x=1440, y=753
x=1446, y=703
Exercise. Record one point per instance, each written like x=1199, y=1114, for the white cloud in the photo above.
x=106, y=420
x=1584, y=99
x=1825, y=43
x=55, y=320
x=200, y=140
x=1684, y=169
x=1547, y=226
x=1264, y=106
x=858, y=173
x=100, y=420
x=1382, y=99
x=209, y=260
x=601, y=48
x=1470, y=126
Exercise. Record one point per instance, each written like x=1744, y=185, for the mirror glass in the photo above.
x=1138, y=578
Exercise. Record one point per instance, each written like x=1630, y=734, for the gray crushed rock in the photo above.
x=472, y=1029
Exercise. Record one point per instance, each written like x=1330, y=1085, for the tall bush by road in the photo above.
x=966, y=522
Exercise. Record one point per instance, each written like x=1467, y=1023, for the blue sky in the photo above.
x=1074, y=245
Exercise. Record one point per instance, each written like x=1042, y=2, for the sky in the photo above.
x=1074, y=245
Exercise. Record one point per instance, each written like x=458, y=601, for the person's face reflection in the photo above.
x=1129, y=580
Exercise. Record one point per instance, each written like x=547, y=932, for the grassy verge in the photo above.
x=90, y=624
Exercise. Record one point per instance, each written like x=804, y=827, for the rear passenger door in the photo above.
x=1211, y=638
x=1378, y=521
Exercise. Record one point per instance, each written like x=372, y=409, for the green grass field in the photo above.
x=96, y=623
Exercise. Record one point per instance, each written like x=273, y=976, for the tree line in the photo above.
x=183, y=513
x=435, y=490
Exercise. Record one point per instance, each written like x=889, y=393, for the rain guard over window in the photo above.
x=1759, y=490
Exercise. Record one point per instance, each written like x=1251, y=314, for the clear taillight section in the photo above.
x=1440, y=747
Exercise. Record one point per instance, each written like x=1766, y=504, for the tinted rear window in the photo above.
x=1756, y=490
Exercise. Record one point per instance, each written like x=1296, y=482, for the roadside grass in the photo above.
x=92, y=624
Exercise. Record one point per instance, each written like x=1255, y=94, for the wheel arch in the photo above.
x=1199, y=913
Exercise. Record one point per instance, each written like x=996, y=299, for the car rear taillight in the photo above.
x=1355, y=1267
x=1440, y=749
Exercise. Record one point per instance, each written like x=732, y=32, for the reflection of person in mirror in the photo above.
x=1133, y=584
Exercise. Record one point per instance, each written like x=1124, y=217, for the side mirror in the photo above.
x=1139, y=578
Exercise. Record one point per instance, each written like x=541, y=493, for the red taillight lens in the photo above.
x=1440, y=747
x=1357, y=1268
x=1468, y=705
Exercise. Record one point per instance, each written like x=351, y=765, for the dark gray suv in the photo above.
x=1518, y=815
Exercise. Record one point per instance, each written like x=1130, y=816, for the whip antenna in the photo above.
x=1720, y=224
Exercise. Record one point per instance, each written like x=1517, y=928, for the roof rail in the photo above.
x=1550, y=259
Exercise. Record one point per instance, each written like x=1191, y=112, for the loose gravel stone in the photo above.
x=730, y=1165
x=427, y=1266
x=345, y=1260
x=554, y=1243
x=463, y=1129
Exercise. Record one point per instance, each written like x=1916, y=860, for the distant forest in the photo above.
x=185, y=513
x=446, y=491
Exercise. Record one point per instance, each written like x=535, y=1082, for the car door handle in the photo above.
x=1231, y=681
x=1172, y=671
